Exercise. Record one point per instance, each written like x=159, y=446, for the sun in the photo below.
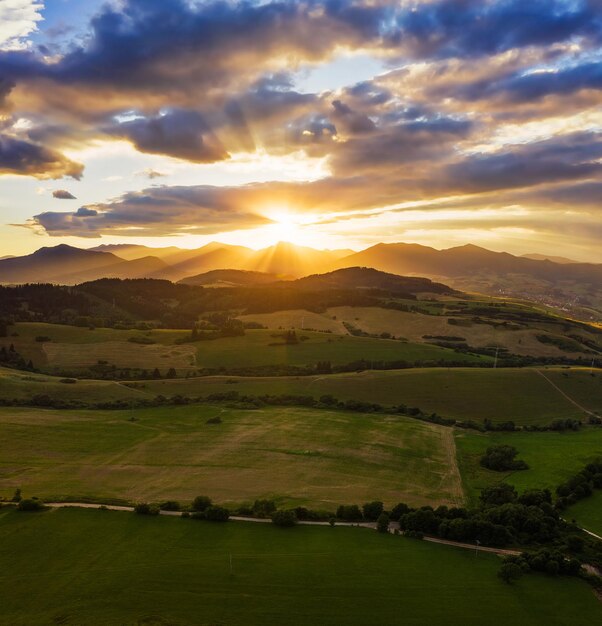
x=286, y=227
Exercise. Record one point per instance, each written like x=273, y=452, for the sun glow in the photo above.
x=287, y=227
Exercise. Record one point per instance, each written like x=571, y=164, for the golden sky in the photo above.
x=325, y=123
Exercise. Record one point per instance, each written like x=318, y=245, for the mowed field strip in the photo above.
x=297, y=456
x=257, y=574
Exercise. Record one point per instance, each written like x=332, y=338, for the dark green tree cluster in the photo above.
x=580, y=486
x=502, y=458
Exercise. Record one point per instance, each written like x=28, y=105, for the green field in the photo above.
x=82, y=568
x=71, y=348
x=296, y=456
x=521, y=395
x=552, y=457
x=588, y=513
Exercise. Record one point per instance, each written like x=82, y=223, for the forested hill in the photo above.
x=107, y=301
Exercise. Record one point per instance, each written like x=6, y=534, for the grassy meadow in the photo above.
x=516, y=337
x=71, y=348
x=588, y=513
x=296, y=456
x=521, y=395
x=85, y=567
x=552, y=457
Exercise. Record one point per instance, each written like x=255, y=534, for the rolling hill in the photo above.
x=569, y=286
x=69, y=265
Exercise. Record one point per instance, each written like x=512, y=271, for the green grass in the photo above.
x=297, y=456
x=521, y=395
x=588, y=513
x=84, y=568
x=72, y=348
x=552, y=457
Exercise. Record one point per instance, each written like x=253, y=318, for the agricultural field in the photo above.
x=295, y=456
x=552, y=457
x=525, y=395
x=521, y=394
x=69, y=348
x=326, y=576
x=514, y=336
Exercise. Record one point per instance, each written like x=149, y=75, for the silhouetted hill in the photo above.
x=69, y=265
x=465, y=260
x=369, y=278
x=230, y=278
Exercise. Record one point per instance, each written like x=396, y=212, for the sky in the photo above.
x=327, y=123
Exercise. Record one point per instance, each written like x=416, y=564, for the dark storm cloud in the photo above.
x=63, y=194
x=18, y=156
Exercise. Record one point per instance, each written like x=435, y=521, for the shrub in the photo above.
x=264, y=508
x=144, y=508
x=382, y=523
x=170, y=505
x=217, y=514
x=509, y=572
x=30, y=504
x=201, y=503
x=284, y=518
x=349, y=513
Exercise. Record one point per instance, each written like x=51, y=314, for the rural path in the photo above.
x=263, y=520
x=573, y=402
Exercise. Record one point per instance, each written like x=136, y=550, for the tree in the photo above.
x=217, y=514
x=201, y=503
x=382, y=523
x=264, y=508
x=398, y=510
x=502, y=458
x=143, y=508
x=171, y=373
x=156, y=373
x=30, y=504
x=349, y=513
x=498, y=495
x=372, y=510
x=16, y=496
x=509, y=572
x=284, y=518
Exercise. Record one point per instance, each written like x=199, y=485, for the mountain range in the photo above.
x=559, y=281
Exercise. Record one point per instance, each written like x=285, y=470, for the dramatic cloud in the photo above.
x=496, y=102
x=63, y=194
x=178, y=133
x=158, y=211
x=22, y=157
x=574, y=156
